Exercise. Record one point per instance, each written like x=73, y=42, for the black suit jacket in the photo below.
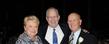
x=64, y=27
x=87, y=38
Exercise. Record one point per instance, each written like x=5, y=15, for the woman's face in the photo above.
x=31, y=28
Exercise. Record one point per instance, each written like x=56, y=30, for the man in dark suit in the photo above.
x=53, y=32
x=79, y=35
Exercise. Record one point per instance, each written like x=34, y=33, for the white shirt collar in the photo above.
x=76, y=35
x=77, y=32
x=58, y=31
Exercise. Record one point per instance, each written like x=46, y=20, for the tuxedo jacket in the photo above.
x=64, y=28
x=87, y=38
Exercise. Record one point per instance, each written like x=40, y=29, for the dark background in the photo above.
x=94, y=15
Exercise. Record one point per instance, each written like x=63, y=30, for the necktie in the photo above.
x=71, y=38
x=55, y=40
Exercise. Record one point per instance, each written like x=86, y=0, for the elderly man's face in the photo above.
x=31, y=28
x=52, y=18
x=74, y=22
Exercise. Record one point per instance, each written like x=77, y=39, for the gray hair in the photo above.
x=51, y=8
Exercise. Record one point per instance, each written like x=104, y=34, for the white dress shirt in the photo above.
x=76, y=35
x=49, y=34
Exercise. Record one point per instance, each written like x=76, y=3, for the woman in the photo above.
x=30, y=36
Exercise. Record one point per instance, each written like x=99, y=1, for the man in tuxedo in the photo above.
x=53, y=32
x=79, y=35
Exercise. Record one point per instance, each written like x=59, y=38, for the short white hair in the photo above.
x=31, y=18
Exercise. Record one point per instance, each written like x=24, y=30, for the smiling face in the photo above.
x=31, y=28
x=31, y=24
x=52, y=17
x=74, y=22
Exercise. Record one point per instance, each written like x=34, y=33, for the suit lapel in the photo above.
x=66, y=33
x=62, y=31
x=45, y=27
x=81, y=35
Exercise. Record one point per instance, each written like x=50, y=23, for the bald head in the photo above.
x=74, y=21
x=74, y=15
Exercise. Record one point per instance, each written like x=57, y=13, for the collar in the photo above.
x=49, y=33
x=26, y=37
x=54, y=28
x=77, y=32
